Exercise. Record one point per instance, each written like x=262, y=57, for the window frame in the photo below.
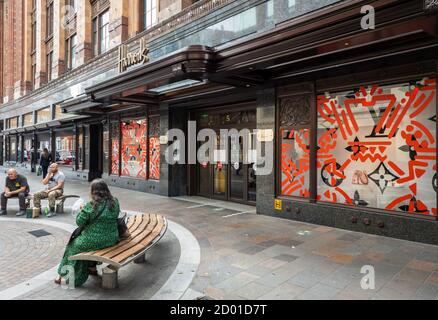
x=50, y=22
x=97, y=33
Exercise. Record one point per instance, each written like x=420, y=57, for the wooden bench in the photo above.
x=145, y=229
x=59, y=201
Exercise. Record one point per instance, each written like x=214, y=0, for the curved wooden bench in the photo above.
x=145, y=229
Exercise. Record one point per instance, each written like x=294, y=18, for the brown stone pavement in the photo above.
x=250, y=256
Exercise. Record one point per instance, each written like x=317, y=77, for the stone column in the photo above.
x=84, y=32
x=27, y=59
x=41, y=61
x=59, y=65
x=118, y=27
x=266, y=102
x=135, y=24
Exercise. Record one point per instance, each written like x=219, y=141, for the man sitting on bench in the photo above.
x=55, y=180
x=16, y=186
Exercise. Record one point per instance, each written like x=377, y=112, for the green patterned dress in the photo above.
x=102, y=233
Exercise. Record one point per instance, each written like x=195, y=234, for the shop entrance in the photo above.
x=228, y=176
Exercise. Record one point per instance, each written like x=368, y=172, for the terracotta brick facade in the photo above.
x=23, y=69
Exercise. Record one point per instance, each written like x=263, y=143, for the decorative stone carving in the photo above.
x=430, y=5
x=295, y=110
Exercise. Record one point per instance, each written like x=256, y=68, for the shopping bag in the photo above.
x=39, y=171
x=77, y=206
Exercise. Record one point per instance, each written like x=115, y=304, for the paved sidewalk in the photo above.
x=249, y=256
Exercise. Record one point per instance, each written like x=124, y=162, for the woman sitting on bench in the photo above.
x=98, y=220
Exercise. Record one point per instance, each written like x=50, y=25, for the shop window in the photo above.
x=295, y=151
x=115, y=147
x=134, y=146
x=80, y=152
x=27, y=119
x=58, y=112
x=44, y=115
x=154, y=148
x=65, y=154
x=13, y=148
x=27, y=148
x=106, y=149
x=12, y=123
x=43, y=142
x=86, y=160
x=377, y=147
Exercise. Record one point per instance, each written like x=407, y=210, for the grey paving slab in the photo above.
x=245, y=256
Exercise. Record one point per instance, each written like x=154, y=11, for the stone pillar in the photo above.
x=59, y=63
x=41, y=60
x=2, y=28
x=27, y=48
x=135, y=24
x=266, y=102
x=118, y=27
x=84, y=32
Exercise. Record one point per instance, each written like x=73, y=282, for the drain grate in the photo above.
x=40, y=233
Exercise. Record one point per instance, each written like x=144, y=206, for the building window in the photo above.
x=134, y=150
x=49, y=19
x=154, y=148
x=33, y=27
x=33, y=75
x=295, y=150
x=101, y=33
x=49, y=66
x=149, y=13
x=377, y=147
x=71, y=52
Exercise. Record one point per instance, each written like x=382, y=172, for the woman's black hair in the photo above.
x=101, y=193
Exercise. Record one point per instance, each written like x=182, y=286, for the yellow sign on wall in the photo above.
x=278, y=204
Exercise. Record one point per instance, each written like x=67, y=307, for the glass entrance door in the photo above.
x=228, y=177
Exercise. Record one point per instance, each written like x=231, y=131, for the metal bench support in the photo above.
x=140, y=259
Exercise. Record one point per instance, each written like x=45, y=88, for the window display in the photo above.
x=115, y=146
x=134, y=148
x=377, y=147
x=65, y=154
x=154, y=148
x=295, y=159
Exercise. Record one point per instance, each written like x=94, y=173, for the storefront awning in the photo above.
x=185, y=68
x=81, y=104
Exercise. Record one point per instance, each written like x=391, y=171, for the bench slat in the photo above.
x=136, y=227
x=137, y=238
x=133, y=224
x=142, y=245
